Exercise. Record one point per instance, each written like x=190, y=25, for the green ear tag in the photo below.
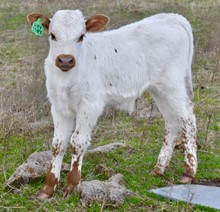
x=37, y=27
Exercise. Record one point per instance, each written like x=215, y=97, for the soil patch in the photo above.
x=208, y=182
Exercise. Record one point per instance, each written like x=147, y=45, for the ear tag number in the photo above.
x=37, y=27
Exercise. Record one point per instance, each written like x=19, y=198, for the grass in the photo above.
x=26, y=126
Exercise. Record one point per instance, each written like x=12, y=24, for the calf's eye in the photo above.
x=53, y=37
x=81, y=38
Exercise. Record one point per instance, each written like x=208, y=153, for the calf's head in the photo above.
x=66, y=30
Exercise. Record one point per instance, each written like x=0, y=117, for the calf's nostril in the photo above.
x=60, y=60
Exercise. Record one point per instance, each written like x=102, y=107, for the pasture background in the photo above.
x=26, y=125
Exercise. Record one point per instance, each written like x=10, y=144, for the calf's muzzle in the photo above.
x=65, y=62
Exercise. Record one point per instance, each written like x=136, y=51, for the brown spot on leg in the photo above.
x=55, y=149
x=180, y=140
x=49, y=186
x=73, y=178
x=189, y=172
x=73, y=150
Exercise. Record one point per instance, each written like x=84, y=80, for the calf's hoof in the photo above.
x=186, y=179
x=43, y=195
x=156, y=173
x=68, y=191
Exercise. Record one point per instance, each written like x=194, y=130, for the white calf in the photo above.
x=86, y=70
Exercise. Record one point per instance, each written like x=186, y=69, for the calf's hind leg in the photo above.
x=190, y=146
x=177, y=111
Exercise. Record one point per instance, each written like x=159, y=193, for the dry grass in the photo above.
x=22, y=90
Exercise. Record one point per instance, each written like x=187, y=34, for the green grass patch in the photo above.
x=14, y=21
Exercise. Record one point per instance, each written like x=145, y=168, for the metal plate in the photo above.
x=195, y=194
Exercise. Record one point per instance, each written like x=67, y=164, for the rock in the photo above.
x=111, y=191
x=35, y=167
x=38, y=164
x=107, y=148
x=195, y=194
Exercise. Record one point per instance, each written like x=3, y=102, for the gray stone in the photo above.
x=195, y=194
x=38, y=164
x=111, y=191
x=107, y=148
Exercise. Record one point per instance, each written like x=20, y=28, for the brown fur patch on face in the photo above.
x=50, y=182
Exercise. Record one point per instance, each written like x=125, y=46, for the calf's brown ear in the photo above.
x=31, y=18
x=97, y=23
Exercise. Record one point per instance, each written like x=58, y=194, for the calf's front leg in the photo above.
x=63, y=127
x=80, y=140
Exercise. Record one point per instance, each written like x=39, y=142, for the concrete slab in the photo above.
x=195, y=194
